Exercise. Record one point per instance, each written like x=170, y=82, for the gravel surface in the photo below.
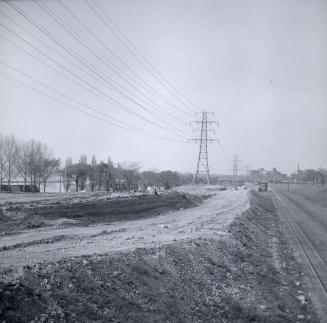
x=209, y=219
x=247, y=274
x=71, y=211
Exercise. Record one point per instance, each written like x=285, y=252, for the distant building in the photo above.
x=255, y=173
x=269, y=175
x=275, y=176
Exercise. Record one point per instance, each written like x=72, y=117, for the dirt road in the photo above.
x=305, y=224
x=224, y=261
x=208, y=220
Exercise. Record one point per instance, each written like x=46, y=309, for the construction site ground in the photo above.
x=209, y=256
x=303, y=214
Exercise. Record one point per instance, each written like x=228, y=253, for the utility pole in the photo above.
x=202, y=169
x=235, y=168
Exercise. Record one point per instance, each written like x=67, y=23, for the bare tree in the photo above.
x=150, y=178
x=22, y=162
x=83, y=160
x=83, y=171
x=10, y=154
x=42, y=152
x=67, y=178
x=30, y=160
x=100, y=174
x=324, y=174
x=2, y=158
x=77, y=172
x=313, y=176
x=49, y=167
x=109, y=174
x=33, y=156
x=129, y=171
x=93, y=173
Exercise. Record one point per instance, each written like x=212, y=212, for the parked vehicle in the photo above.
x=262, y=186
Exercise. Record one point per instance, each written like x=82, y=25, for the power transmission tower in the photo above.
x=247, y=170
x=236, y=168
x=202, y=169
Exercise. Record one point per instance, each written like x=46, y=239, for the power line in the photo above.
x=114, y=67
x=1, y=36
x=70, y=98
x=108, y=98
x=52, y=49
x=153, y=89
x=222, y=151
x=236, y=167
x=33, y=56
x=224, y=139
x=148, y=66
x=129, y=128
x=54, y=69
x=104, y=77
x=44, y=44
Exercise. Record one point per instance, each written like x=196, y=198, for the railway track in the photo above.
x=308, y=239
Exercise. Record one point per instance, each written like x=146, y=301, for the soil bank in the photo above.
x=67, y=212
x=248, y=275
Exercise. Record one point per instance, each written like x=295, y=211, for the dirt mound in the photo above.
x=21, y=216
x=202, y=190
x=249, y=275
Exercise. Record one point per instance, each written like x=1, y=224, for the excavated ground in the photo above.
x=59, y=211
x=246, y=275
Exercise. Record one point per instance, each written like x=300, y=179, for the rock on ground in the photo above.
x=248, y=275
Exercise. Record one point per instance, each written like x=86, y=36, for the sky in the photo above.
x=259, y=66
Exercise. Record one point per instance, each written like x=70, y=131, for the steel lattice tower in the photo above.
x=235, y=168
x=202, y=169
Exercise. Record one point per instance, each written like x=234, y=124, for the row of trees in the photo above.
x=107, y=175
x=310, y=176
x=99, y=175
x=314, y=176
x=32, y=165
x=30, y=162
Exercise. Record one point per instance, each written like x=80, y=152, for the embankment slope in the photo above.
x=246, y=275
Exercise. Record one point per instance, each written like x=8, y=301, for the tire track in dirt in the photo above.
x=210, y=220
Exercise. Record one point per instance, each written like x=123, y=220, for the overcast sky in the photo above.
x=260, y=66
